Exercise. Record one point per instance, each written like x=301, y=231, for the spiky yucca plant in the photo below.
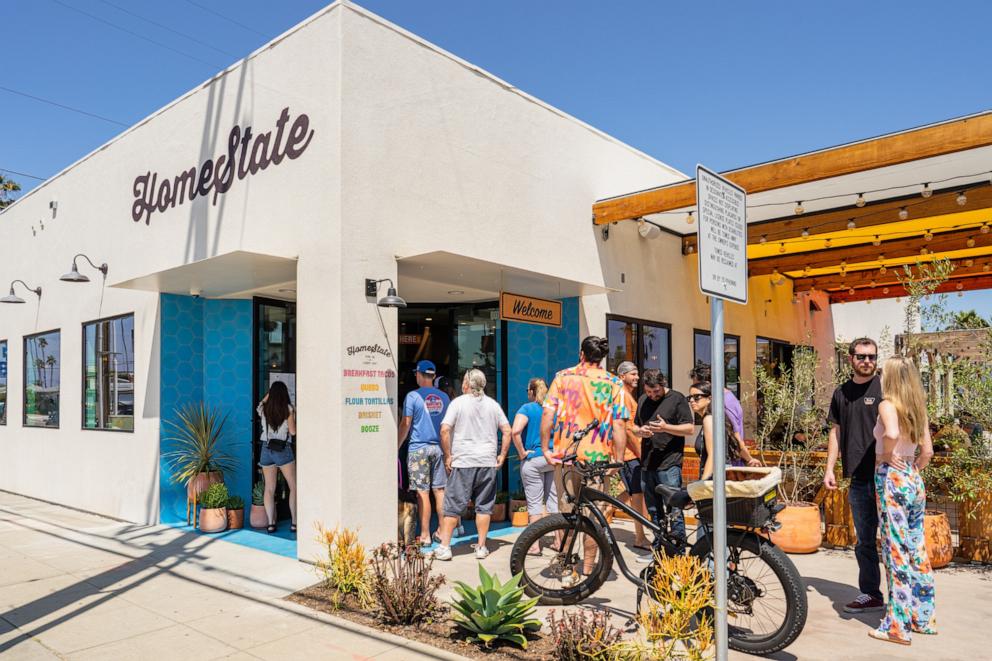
x=195, y=442
x=495, y=610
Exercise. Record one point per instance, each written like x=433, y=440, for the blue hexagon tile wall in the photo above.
x=206, y=354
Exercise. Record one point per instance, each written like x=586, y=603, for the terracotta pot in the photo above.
x=940, y=547
x=202, y=482
x=800, y=531
x=975, y=521
x=257, y=518
x=499, y=512
x=213, y=519
x=520, y=519
x=236, y=519
x=838, y=518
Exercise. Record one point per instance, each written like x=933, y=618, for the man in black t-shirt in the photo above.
x=666, y=413
x=853, y=412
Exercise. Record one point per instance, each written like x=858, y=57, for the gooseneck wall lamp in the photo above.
x=14, y=298
x=75, y=276
x=390, y=300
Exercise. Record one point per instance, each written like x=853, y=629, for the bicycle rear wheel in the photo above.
x=556, y=576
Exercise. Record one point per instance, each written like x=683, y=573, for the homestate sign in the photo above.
x=216, y=175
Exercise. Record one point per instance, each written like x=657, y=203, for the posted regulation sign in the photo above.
x=722, y=210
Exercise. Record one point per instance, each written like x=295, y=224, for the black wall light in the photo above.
x=390, y=300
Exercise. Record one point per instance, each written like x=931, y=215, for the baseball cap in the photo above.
x=426, y=367
x=625, y=367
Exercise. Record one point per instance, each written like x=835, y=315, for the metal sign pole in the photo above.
x=719, y=477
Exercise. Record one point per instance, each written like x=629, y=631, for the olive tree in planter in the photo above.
x=195, y=456
x=792, y=421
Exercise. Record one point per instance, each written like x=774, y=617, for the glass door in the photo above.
x=476, y=339
x=275, y=360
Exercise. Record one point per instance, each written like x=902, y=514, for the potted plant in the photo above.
x=499, y=509
x=792, y=421
x=520, y=518
x=235, y=513
x=257, y=518
x=516, y=500
x=213, y=508
x=196, y=457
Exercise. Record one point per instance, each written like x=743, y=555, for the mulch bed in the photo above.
x=442, y=634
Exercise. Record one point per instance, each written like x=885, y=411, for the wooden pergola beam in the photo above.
x=874, y=214
x=872, y=293
x=925, y=142
x=858, y=279
x=892, y=249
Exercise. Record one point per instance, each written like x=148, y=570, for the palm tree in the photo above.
x=7, y=187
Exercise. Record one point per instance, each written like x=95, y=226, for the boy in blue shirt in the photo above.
x=423, y=410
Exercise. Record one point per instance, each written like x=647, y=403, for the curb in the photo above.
x=354, y=627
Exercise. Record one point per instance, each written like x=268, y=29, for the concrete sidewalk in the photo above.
x=78, y=586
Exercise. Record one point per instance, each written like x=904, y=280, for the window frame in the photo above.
x=771, y=344
x=82, y=384
x=639, y=340
x=726, y=336
x=6, y=402
x=24, y=378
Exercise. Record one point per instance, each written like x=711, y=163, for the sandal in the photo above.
x=292, y=528
x=887, y=637
x=271, y=528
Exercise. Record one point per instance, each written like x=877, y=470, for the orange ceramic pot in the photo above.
x=940, y=547
x=213, y=519
x=520, y=519
x=257, y=517
x=236, y=519
x=800, y=531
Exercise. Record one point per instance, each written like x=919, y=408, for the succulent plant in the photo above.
x=214, y=497
x=258, y=494
x=235, y=503
x=495, y=610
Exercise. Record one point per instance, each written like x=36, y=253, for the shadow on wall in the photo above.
x=206, y=354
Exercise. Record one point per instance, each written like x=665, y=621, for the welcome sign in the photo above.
x=529, y=310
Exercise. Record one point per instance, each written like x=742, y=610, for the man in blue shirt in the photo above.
x=423, y=410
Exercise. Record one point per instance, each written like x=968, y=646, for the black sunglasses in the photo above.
x=696, y=397
x=866, y=356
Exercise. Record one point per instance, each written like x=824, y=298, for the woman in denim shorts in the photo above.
x=278, y=424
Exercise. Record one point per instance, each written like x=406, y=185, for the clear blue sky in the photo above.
x=794, y=76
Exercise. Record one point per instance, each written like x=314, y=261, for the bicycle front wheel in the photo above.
x=568, y=547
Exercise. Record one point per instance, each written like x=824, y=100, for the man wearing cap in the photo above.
x=631, y=474
x=423, y=410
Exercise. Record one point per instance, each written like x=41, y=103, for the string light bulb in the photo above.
x=927, y=191
x=827, y=243
x=871, y=284
x=806, y=270
x=805, y=233
x=763, y=238
x=962, y=199
x=877, y=241
x=885, y=290
x=928, y=236
x=903, y=213
x=882, y=270
x=690, y=249
x=985, y=267
x=799, y=208
x=984, y=229
x=970, y=242
x=959, y=286
x=924, y=251
x=968, y=263
x=689, y=218
x=781, y=247
x=860, y=202
x=851, y=224
x=851, y=291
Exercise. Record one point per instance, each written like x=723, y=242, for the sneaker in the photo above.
x=481, y=553
x=865, y=604
x=644, y=558
x=442, y=553
x=459, y=531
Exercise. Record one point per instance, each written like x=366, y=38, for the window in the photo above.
x=773, y=355
x=108, y=374
x=647, y=344
x=702, y=349
x=3, y=382
x=42, y=379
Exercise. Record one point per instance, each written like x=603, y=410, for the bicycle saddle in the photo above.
x=673, y=496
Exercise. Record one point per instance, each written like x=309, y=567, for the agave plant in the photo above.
x=195, y=441
x=495, y=610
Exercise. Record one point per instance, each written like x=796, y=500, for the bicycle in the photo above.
x=762, y=582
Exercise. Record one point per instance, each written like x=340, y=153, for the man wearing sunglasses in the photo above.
x=853, y=412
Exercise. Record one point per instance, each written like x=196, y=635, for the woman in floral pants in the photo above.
x=901, y=430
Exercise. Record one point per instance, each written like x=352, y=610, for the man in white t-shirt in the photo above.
x=472, y=457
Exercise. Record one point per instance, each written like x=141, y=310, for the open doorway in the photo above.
x=274, y=348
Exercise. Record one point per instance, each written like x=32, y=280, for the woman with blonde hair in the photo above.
x=536, y=474
x=903, y=448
